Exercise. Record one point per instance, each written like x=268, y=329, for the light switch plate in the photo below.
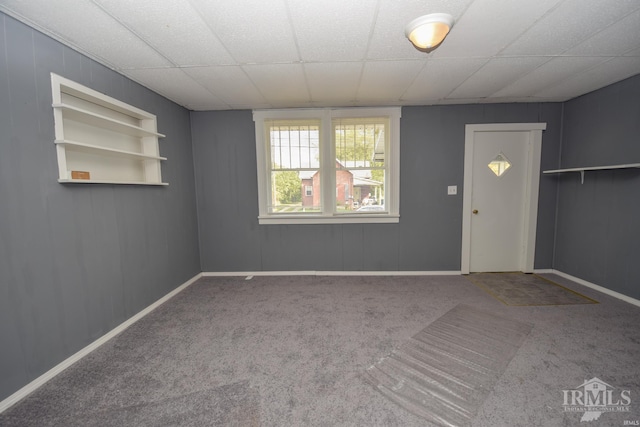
x=452, y=190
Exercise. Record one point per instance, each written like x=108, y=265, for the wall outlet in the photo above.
x=452, y=190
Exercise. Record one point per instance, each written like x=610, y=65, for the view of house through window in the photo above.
x=360, y=164
x=295, y=162
x=328, y=165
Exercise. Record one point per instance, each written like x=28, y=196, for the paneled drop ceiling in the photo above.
x=243, y=54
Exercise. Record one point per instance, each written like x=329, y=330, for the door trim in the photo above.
x=532, y=185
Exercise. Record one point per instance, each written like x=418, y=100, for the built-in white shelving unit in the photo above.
x=594, y=168
x=101, y=140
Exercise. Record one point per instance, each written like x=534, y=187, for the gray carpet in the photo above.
x=291, y=351
x=527, y=289
x=234, y=404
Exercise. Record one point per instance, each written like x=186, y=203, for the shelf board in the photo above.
x=69, y=87
x=113, y=152
x=87, y=117
x=594, y=168
x=100, y=181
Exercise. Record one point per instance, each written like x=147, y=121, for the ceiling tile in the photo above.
x=617, y=39
x=548, y=74
x=334, y=83
x=83, y=25
x=563, y=28
x=387, y=81
x=494, y=75
x=606, y=73
x=344, y=34
x=440, y=77
x=174, y=84
x=481, y=31
x=222, y=54
x=229, y=83
x=254, y=31
x=176, y=30
x=282, y=85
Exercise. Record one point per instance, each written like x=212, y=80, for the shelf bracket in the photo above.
x=581, y=177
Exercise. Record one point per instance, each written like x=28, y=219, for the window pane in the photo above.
x=295, y=192
x=361, y=144
x=294, y=144
x=320, y=165
x=295, y=161
x=356, y=191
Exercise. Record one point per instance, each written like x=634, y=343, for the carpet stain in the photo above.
x=520, y=289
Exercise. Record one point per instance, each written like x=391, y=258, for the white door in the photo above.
x=502, y=169
x=497, y=203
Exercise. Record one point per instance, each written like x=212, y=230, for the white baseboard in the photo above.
x=330, y=273
x=593, y=286
x=51, y=373
x=598, y=288
x=544, y=271
x=248, y=274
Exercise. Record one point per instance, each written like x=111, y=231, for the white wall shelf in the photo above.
x=83, y=116
x=104, y=151
x=103, y=139
x=593, y=168
x=104, y=181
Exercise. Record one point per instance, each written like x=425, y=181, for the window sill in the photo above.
x=335, y=219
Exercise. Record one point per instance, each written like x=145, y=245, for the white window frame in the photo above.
x=327, y=167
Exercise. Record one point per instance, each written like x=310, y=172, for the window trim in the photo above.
x=327, y=152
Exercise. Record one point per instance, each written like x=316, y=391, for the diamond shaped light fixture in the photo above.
x=428, y=31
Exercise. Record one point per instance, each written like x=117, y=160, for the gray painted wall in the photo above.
x=78, y=260
x=598, y=226
x=429, y=234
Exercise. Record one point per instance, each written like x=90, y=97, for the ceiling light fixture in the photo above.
x=428, y=31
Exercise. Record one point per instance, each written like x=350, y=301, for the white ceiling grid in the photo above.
x=253, y=31
x=175, y=30
x=344, y=33
x=500, y=21
x=333, y=83
x=548, y=74
x=571, y=23
x=243, y=54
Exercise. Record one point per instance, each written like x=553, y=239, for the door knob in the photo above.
x=475, y=211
